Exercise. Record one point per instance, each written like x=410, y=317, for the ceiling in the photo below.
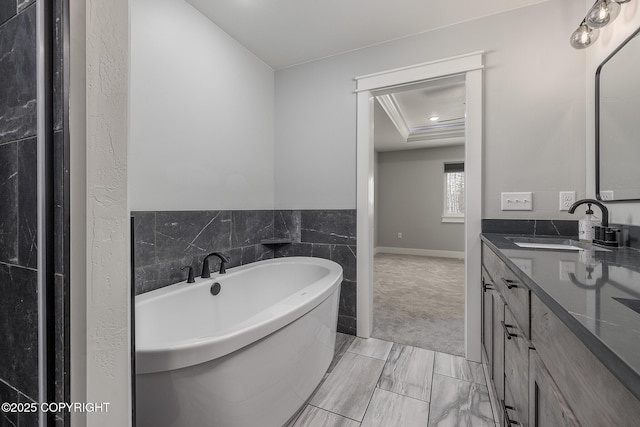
x=288, y=32
x=402, y=116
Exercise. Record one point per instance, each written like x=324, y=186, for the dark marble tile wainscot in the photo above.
x=18, y=192
x=18, y=210
x=534, y=227
x=168, y=240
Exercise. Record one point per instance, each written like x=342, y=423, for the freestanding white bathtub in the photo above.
x=249, y=356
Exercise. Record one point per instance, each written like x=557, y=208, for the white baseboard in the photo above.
x=420, y=252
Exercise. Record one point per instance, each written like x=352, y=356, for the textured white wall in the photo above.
x=410, y=189
x=201, y=114
x=534, y=110
x=610, y=37
x=107, y=281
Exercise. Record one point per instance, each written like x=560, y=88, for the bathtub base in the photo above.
x=262, y=384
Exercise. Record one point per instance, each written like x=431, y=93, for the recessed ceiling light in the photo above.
x=434, y=118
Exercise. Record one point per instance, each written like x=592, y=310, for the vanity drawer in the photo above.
x=596, y=397
x=516, y=365
x=516, y=294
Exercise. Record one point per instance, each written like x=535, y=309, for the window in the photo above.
x=453, y=192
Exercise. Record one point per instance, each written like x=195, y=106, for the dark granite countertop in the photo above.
x=596, y=293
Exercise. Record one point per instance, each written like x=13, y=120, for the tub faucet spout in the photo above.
x=206, y=272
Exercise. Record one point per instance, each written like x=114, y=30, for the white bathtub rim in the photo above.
x=192, y=351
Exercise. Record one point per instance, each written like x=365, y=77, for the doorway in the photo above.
x=470, y=68
x=418, y=273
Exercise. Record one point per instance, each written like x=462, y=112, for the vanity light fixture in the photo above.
x=602, y=13
x=584, y=36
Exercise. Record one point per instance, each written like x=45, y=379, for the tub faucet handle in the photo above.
x=191, y=278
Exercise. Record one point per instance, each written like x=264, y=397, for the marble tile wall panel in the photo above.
x=22, y=4
x=144, y=231
x=27, y=203
x=19, y=328
x=61, y=215
x=531, y=226
x=9, y=205
x=29, y=419
x=631, y=235
x=61, y=324
x=249, y=227
x=165, y=241
x=18, y=77
x=7, y=10
x=18, y=190
x=286, y=225
x=60, y=201
x=191, y=233
x=328, y=226
x=9, y=395
x=58, y=67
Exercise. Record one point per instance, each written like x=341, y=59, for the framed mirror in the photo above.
x=618, y=123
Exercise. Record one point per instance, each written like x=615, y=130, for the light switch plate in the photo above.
x=522, y=201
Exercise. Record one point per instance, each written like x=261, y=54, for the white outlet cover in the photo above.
x=521, y=201
x=606, y=195
x=566, y=199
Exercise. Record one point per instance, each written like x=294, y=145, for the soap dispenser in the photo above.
x=586, y=226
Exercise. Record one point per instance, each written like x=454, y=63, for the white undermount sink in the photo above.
x=561, y=246
x=551, y=243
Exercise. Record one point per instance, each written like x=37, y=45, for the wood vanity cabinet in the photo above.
x=487, y=320
x=547, y=405
x=542, y=373
x=507, y=359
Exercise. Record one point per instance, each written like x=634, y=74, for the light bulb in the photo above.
x=584, y=36
x=602, y=13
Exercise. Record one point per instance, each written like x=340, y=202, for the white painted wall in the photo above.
x=610, y=37
x=534, y=110
x=410, y=189
x=202, y=114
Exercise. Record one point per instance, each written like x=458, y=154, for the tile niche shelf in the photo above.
x=275, y=241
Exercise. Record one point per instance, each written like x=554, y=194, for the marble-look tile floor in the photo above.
x=374, y=382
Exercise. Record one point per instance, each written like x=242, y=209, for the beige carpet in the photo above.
x=419, y=301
